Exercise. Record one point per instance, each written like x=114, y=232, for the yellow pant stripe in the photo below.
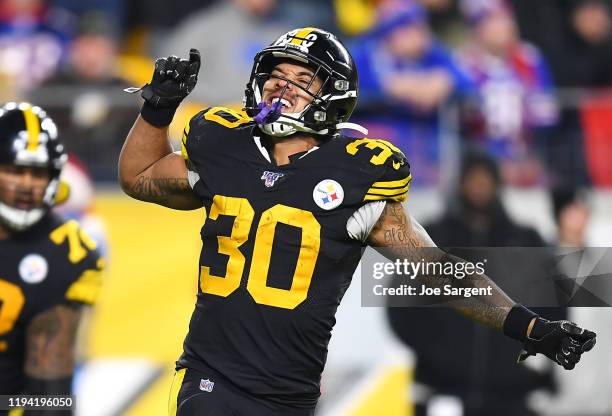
x=33, y=127
x=177, y=382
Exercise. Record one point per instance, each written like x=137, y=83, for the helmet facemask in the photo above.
x=330, y=106
x=270, y=118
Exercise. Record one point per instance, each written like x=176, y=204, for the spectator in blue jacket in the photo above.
x=401, y=63
x=406, y=77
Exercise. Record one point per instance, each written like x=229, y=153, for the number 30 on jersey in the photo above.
x=243, y=212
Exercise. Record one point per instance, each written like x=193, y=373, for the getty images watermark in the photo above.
x=534, y=276
x=405, y=269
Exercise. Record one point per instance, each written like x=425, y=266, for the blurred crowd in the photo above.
x=525, y=81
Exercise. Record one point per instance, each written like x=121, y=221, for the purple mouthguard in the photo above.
x=268, y=114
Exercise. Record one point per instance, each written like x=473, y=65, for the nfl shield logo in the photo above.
x=270, y=178
x=206, y=385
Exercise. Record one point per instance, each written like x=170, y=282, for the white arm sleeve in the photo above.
x=364, y=219
x=193, y=178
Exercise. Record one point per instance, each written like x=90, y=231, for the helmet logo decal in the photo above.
x=33, y=268
x=328, y=194
x=302, y=39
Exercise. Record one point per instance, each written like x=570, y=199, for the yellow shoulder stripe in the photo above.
x=399, y=198
x=393, y=184
x=184, y=145
x=388, y=192
x=184, y=141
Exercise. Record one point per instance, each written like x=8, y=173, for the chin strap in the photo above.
x=352, y=126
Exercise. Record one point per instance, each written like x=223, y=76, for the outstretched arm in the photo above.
x=398, y=237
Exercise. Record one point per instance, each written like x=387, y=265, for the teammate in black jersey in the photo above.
x=289, y=203
x=49, y=268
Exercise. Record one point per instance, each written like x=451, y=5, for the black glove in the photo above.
x=561, y=341
x=172, y=81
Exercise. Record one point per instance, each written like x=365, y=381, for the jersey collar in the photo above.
x=293, y=158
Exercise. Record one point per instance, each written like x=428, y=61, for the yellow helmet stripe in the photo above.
x=33, y=128
x=299, y=37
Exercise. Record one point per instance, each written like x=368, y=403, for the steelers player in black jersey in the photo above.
x=49, y=268
x=288, y=203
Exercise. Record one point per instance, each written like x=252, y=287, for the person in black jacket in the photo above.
x=485, y=384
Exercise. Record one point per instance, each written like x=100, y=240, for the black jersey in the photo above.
x=276, y=256
x=51, y=263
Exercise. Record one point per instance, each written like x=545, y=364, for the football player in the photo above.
x=289, y=203
x=49, y=268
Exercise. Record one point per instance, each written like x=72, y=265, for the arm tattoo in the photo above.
x=50, y=340
x=160, y=190
x=397, y=239
x=400, y=234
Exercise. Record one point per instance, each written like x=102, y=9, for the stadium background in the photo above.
x=74, y=57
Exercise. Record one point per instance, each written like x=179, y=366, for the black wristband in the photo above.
x=517, y=322
x=159, y=117
x=57, y=386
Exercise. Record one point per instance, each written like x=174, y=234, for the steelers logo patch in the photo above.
x=33, y=268
x=328, y=194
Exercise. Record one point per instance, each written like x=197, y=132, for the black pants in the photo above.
x=195, y=393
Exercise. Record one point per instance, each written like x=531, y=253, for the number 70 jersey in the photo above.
x=54, y=262
x=276, y=254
